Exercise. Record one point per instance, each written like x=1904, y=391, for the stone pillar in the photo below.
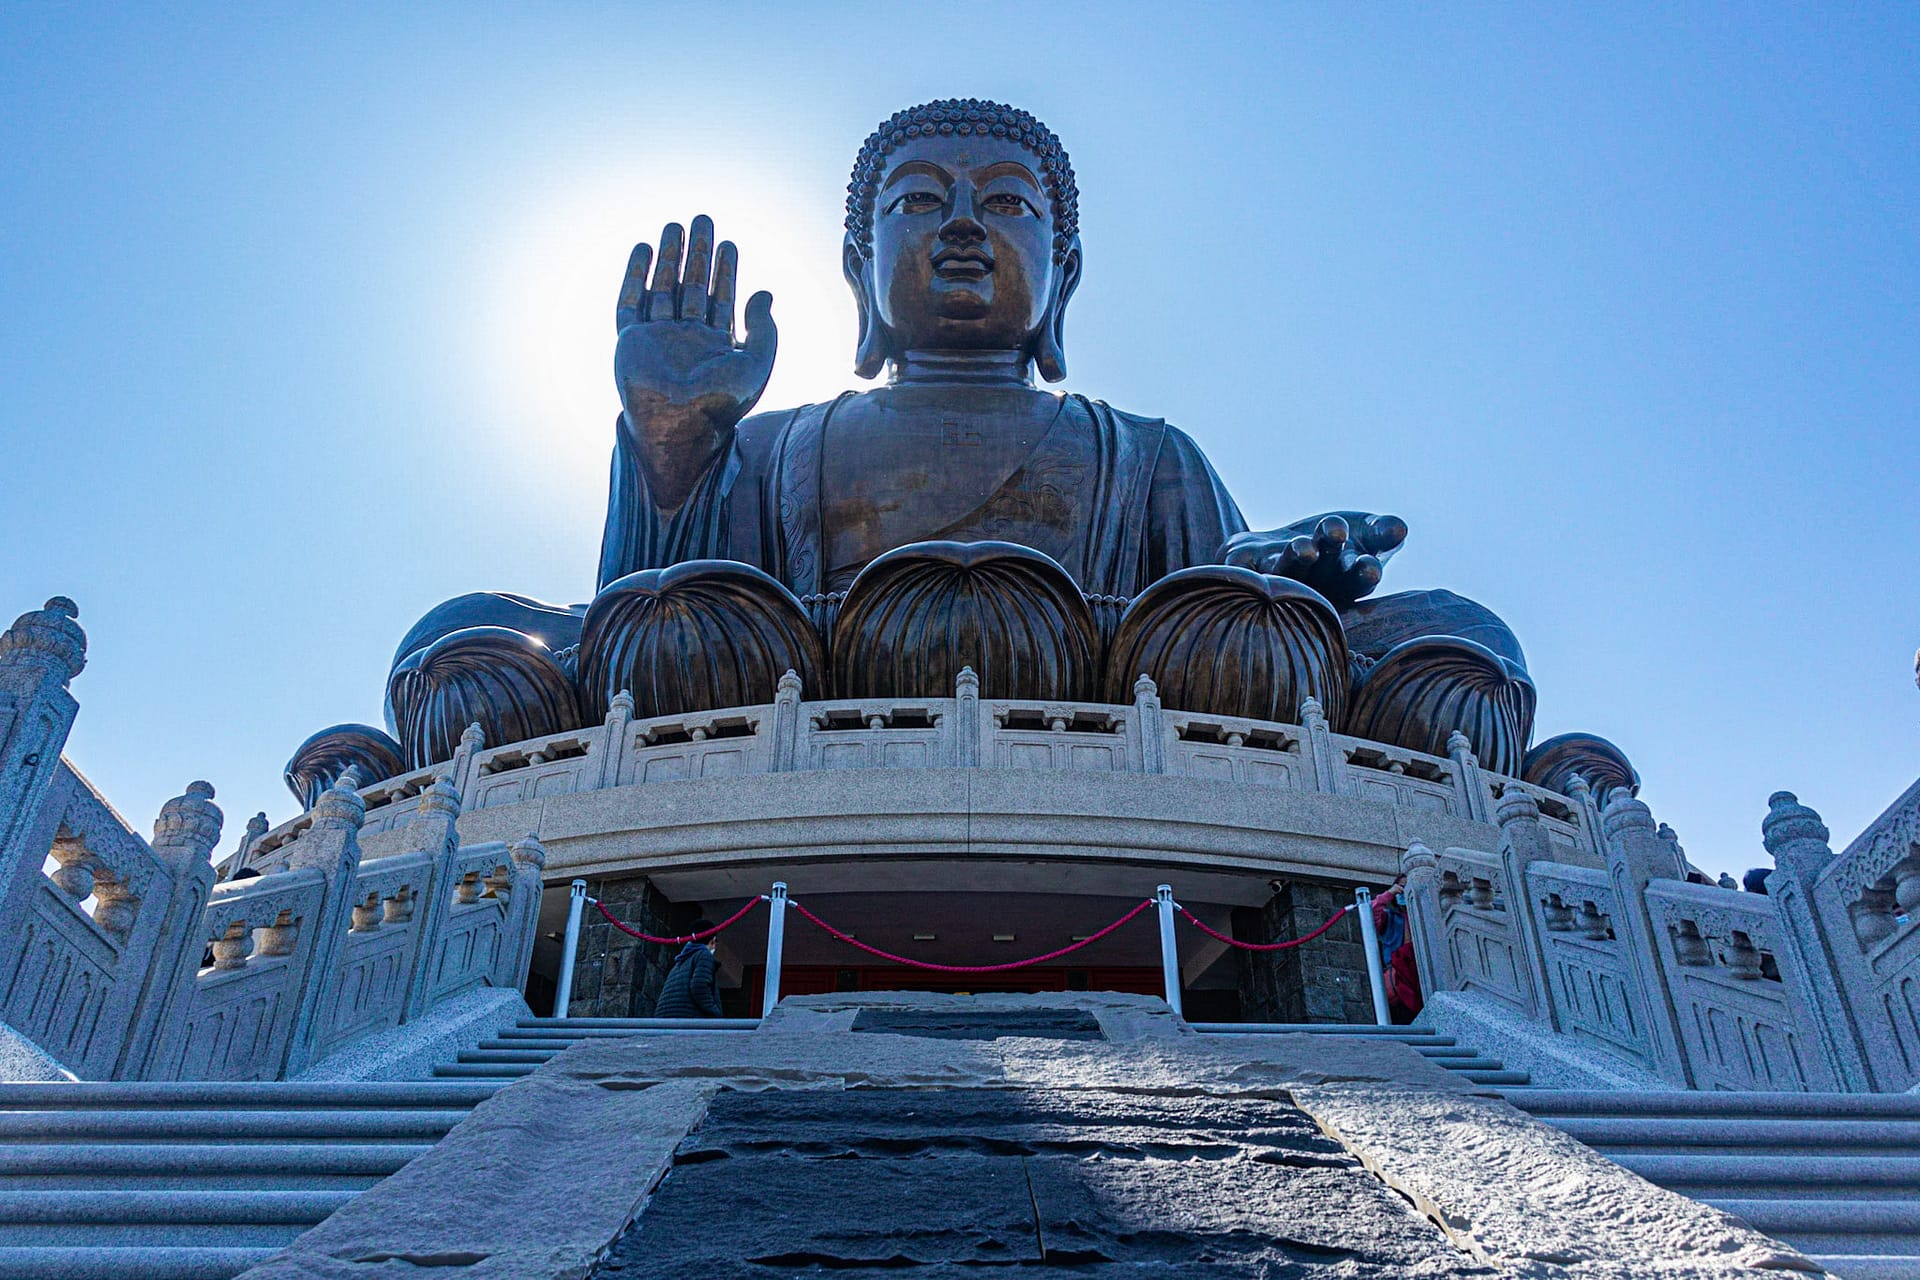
x=786, y=723
x=1637, y=856
x=40, y=654
x=1425, y=922
x=1322, y=755
x=1152, y=725
x=184, y=836
x=615, y=975
x=613, y=739
x=1323, y=981
x=1797, y=839
x=464, y=768
x=331, y=847
x=432, y=831
x=257, y=826
x=1524, y=841
x=523, y=913
x=1469, y=780
x=966, y=719
x=1588, y=807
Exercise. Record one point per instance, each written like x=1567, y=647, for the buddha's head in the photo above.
x=962, y=235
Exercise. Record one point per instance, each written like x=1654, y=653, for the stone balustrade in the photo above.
x=964, y=731
x=1814, y=985
x=120, y=958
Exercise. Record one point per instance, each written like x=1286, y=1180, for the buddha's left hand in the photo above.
x=1339, y=554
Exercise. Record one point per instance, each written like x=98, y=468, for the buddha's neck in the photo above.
x=962, y=368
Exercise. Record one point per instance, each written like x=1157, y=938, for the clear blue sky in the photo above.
x=307, y=326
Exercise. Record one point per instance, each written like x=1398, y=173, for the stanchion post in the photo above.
x=776, y=943
x=569, y=948
x=1169, y=951
x=1370, y=939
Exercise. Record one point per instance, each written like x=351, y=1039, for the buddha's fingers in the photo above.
x=631, y=308
x=720, y=309
x=666, y=273
x=762, y=335
x=1384, y=534
x=693, y=278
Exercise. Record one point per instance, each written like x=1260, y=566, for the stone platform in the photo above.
x=937, y=1134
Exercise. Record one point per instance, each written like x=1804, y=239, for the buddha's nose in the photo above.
x=962, y=224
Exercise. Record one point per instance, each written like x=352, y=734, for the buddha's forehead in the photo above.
x=976, y=158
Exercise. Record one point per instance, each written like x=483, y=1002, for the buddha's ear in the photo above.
x=1050, y=347
x=870, y=350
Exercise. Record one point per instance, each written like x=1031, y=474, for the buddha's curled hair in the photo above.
x=964, y=117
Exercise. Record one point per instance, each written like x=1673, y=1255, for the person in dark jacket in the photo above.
x=692, y=988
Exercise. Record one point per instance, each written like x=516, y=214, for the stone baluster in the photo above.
x=1523, y=842
x=1587, y=805
x=40, y=654
x=786, y=722
x=1424, y=919
x=613, y=739
x=433, y=831
x=257, y=826
x=184, y=837
x=1469, y=779
x=332, y=848
x=523, y=912
x=1797, y=839
x=1152, y=725
x=1636, y=857
x=966, y=719
x=1322, y=755
x=464, y=769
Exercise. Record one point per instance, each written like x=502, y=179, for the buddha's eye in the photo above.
x=916, y=202
x=1008, y=205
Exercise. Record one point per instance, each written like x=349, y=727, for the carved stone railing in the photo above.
x=964, y=731
x=121, y=959
x=1814, y=985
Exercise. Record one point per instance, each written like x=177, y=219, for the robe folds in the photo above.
x=1118, y=500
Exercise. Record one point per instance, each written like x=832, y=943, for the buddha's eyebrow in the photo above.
x=1009, y=169
x=923, y=168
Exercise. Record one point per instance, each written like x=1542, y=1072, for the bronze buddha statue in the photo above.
x=954, y=515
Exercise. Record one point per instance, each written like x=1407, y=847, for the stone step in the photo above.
x=1515, y=1078
x=207, y=1166
x=485, y=1070
x=639, y=1024
x=1411, y=1034
x=1545, y=1102
x=197, y=1126
x=242, y=1095
x=157, y=1219
x=1834, y=1226
x=534, y=1056
x=124, y=1263
x=1779, y=1176
x=1818, y=1135
x=1870, y=1266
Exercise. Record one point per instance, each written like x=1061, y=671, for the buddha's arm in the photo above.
x=644, y=533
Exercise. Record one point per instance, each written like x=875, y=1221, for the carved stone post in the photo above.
x=1321, y=753
x=331, y=847
x=523, y=913
x=613, y=739
x=1523, y=841
x=40, y=654
x=257, y=826
x=464, y=768
x=1152, y=725
x=184, y=837
x=786, y=723
x=433, y=832
x=1637, y=856
x=1424, y=920
x=1469, y=781
x=1588, y=806
x=966, y=719
x=1797, y=839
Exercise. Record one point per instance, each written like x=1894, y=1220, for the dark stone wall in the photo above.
x=615, y=975
x=1323, y=981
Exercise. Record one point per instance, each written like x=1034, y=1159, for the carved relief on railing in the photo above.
x=1482, y=940
x=369, y=990
x=1563, y=820
x=551, y=766
x=1588, y=962
x=1393, y=775
x=1077, y=737
x=241, y=1012
x=877, y=733
x=1228, y=749
x=1876, y=880
x=1744, y=1022
x=469, y=947
x=709, y=744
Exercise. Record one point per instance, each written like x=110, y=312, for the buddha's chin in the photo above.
x=963, y=299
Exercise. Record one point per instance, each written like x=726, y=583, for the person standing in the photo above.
x=692, y=988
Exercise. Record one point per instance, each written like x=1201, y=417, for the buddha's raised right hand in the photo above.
x=684, y=383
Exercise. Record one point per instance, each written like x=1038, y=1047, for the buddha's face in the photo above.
x=962, y=246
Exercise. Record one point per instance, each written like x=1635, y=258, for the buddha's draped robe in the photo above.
x=1120, y=501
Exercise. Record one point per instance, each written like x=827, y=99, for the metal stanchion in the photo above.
x=1169, y=952
x=1370, y=939
x=569, y=947
x=776, y=943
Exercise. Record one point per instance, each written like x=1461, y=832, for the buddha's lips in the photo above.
x=961, y=264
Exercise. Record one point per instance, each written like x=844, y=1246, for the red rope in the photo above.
x=1211, y=932
x=1089, y=940
x=702, y=936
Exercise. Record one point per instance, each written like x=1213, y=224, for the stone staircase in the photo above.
x=1836, y=1175
x=1442, y=1051
x=521, y=1049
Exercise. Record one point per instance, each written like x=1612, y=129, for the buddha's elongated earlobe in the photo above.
x=870, y=351
x=1050, y=344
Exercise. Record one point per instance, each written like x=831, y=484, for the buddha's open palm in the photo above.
x=683, y=381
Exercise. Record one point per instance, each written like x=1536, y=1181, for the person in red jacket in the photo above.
x=1404, y=1000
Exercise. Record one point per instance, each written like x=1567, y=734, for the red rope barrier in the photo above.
x=1211, y=932
x=852, y=941
x=702, y=936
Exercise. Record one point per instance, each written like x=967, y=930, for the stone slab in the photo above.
x=942, y=1024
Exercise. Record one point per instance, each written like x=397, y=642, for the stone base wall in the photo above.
x=615, y=975
x=1323, y=981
